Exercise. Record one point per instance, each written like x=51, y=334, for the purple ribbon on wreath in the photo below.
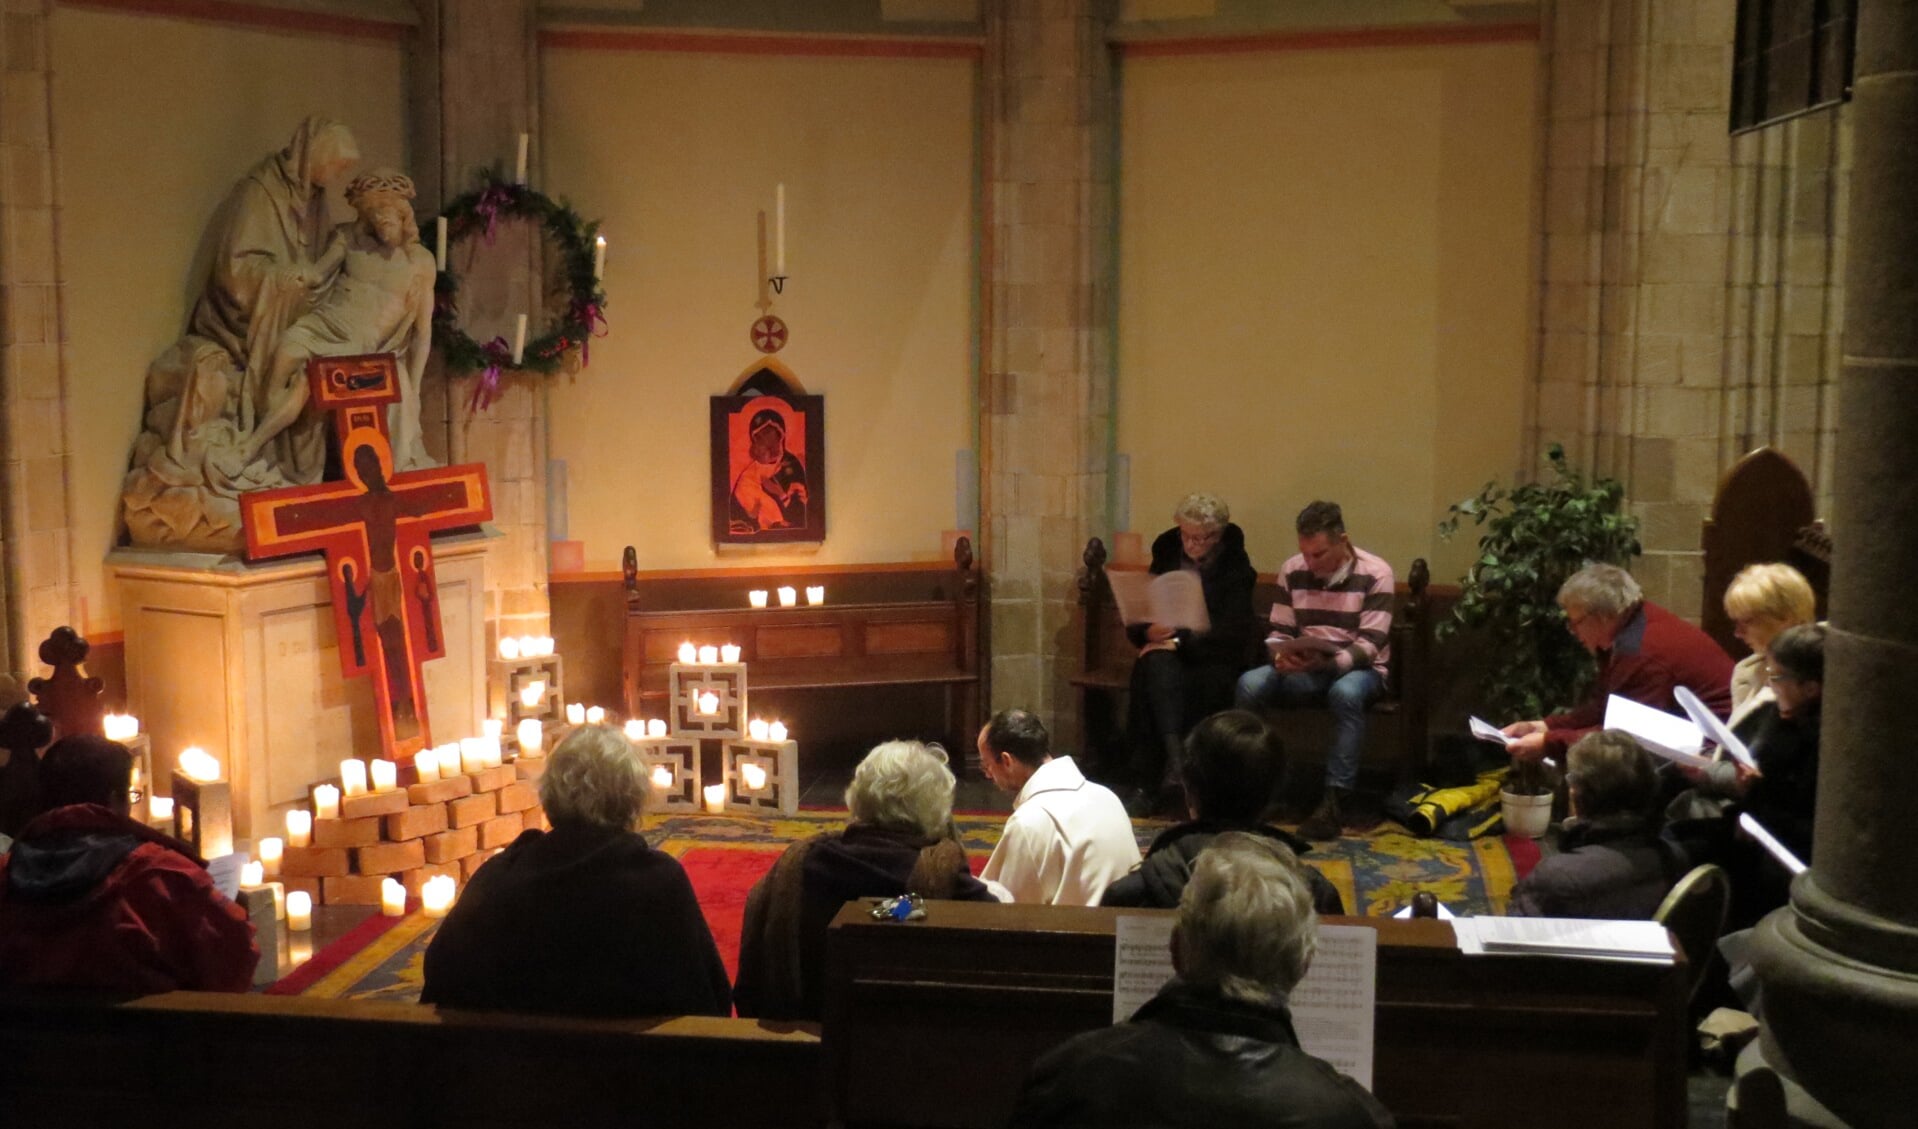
x=492, y=201
x=486, y=388
x=586, y=312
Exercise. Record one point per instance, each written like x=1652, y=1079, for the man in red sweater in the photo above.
x=92, y=899
x=1644, y=653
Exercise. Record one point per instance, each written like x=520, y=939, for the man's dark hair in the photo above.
x=1021, y=733
x=1233, y=761
x=1800, y=651
x=85, y=769
x=1321, y=517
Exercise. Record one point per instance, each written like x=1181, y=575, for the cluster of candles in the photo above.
x=436, y=896
x=579, y=713
x=788, y=597
x=709, y=655
x=525, y=647
x=637, y=729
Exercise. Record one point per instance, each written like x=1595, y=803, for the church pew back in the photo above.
x=934, y=1023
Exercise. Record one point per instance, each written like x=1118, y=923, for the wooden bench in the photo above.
x=935, y=1023
x=882, y=627
x=206, y=1059
x=1401, y=717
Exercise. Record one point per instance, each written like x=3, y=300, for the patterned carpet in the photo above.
x=1377, y=872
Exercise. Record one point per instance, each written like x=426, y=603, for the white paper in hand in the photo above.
x=1714, y=729
x=1486, y=731
x=1673, y=738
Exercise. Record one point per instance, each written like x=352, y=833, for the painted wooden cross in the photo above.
x=374, y=527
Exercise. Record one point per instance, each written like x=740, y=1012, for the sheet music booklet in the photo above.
x=1174, y=599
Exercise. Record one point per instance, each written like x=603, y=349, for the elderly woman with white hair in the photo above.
x=900, y=841
x=1216, y=1045
x=1182, y=675
x=585, y=919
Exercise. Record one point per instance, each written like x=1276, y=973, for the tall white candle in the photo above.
x=519, y=169
x=779, y=229
x=439, y=252
x=519, y=339
x=299, y=828
x=392, y=898
x=352, y=777
x=531, y=735
x=272, y=850
x=788, y=598
x=599, y=258
x=386, y=776
x=299, y=911
x=326, y=802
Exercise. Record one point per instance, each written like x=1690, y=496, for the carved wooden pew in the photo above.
x=1401, y=718
x=203, y=1059
x=934, y=1023
x=1762, y=512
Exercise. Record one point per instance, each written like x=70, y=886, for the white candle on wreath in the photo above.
x=439, y=252
x=519, y=168
x=352, y=777
x=729, y=653
x=599, y=258
x=299, y=828
x=519, y=339
x=688, y=654
x=326, y=803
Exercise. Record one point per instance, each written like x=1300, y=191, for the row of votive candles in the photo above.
x=751, y=775
x=526, y=647
x=788, y=597
x=436, y=899
x=758, y=729
x=579, y=713
x=690, y=655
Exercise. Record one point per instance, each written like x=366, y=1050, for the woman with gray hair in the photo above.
x=585, y=919
x=900, y=841
x=1183, y=675
x=1216, y=1045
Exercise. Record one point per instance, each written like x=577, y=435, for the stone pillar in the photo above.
x=1840, y=965
x=38, y=590
x=475, y=86
x=1046, y=397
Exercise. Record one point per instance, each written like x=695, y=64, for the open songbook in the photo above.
x=1172, y=599
x=1674, y=738
x=1639, y=942
x=1708, y=723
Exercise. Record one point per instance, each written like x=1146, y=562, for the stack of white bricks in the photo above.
x=449, y=826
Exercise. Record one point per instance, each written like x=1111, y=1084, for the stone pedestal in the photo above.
x=243, y=660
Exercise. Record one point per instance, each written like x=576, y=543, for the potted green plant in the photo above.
x=1536, y=535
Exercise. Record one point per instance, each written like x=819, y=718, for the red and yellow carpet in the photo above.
x=1377, y=873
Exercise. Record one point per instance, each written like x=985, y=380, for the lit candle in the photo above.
x=663, y=777
x=492, y=728
x=160, y=807
x=715, y=798
x=688, y=654
x=392, y=898
x=595, y=715
x=299, y=828
x=426, y=764
x=508, y=647
x=473, y=752
x=531, y=735
x=709, y=703
x=545, y=645
x=272, y=850
x=299, y=911
x=788, y=597
x=519, y=170
x=575, y=713
x=326, y=803
x=439, y=249
x=729, y=653
x=776, y=732
x=519, y=339
x=756, y=597
x=121, y=726
x=656, y=728
x=815, y=593
x=451, y=760
x=599, y=258
x=532, y=693
x=436, y=895
x=199, y=765
x=352, y=777
x=779, y=229
x=635, y=729
x=253, y=873
x=708, y=655
x=754, y=776
x=386, y=776
x=756, y=729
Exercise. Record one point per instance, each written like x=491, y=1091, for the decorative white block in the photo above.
x=679, y=757
x=508, y=676
x=743, y=762
x=687, y=683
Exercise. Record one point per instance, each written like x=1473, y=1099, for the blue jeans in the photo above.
x=1346, y=695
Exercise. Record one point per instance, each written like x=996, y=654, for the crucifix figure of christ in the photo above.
x=375, y=528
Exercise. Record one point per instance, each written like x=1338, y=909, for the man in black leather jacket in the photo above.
x=1216, y=1046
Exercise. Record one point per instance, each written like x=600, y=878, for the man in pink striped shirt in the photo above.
x=1330, y=645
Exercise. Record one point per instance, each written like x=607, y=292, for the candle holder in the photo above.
x=679, y=757
x=508, y=676
x=203, y=815
x=726, y=682
x=775, y=763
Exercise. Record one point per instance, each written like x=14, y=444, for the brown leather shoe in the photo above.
x=1325, y=821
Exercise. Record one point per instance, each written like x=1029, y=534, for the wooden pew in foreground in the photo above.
x=934, y=1023
x=207, y=1060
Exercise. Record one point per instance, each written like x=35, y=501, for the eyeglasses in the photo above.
x=1776, y=676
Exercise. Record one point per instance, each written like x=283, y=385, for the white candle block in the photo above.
x=272, y=850
x=352, y=778
x=753, y=776
x=788, y=598
x=531, y=736
x=815, y=593
x=299, y=911
x=595, y=715
x=662, y=777
x=386, y=776
x=519, y=168
x=509, y=648
x=709, y=703
x=715, y=798
x=197, y=764
x=519, y=339
x=392, y=898
x=121, y=726
x=575, y=713
x=436, y=895
x=729, y=654
x=252, y=873
x=439, y=248
x=599, y=258
x=492, y=728
x=326, y=803
x=532, y=694
x=708, y=655
x=635, y=729
x=688, y=654
x=426, y=764
x=756, y=597
x=776, y=732
x=655, y=728
x=756, y=729
x=160, y=807
x=299, y=827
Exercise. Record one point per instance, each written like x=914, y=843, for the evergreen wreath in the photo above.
x=478, y=213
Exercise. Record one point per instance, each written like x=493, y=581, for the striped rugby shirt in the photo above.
x=1354, y=608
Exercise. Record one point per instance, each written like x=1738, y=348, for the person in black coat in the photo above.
x=1612, y=863
x=1181, y=676
x=585, y=919
x=1216, y=1046
x=1233, y=761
